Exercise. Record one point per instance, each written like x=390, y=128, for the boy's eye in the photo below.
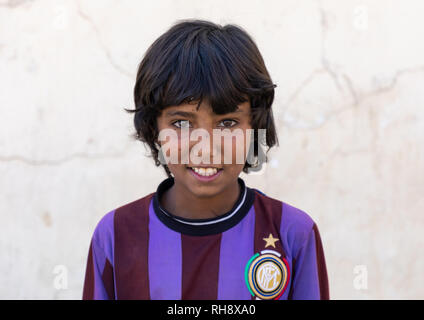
x=182, y=123
x=228, y=123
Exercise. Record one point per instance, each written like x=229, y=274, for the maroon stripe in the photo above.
x=131, y=232
x=200, y=266
x=88, y=291
x=268, y=214
x=107, y=277
x=322, y=269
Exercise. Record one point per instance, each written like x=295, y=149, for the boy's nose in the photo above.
x=206, y=145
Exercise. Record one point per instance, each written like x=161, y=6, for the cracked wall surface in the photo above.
x=348, y=107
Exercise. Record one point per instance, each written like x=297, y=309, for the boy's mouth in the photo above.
x=205, y=171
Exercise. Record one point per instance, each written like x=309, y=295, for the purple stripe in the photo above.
x=306, y=284
x=104, y=235
x=236, y=250
x=164, y=259
x=99, y=264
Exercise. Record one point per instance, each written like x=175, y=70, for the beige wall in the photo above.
x=348, y=105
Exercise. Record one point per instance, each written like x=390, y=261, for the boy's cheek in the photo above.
x=171, y=150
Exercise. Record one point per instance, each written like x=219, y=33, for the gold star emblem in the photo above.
x=270, y=241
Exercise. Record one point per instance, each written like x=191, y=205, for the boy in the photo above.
x=204, y=234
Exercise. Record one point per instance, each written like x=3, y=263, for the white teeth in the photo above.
x=205, y=171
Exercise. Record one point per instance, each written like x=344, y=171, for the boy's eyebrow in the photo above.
x=180, y=113
x=192, y=114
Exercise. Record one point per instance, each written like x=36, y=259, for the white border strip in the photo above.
x=271, y=252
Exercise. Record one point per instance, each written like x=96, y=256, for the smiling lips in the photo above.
x=205, y=172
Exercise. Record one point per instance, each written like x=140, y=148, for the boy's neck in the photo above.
x=181, y=203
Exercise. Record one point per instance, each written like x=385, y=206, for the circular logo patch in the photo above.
x=267, y=275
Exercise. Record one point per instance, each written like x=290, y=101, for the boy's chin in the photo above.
x=203, y=194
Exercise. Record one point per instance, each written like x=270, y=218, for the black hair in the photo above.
x=197, y=60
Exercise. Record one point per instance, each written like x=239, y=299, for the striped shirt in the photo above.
x=262, y=248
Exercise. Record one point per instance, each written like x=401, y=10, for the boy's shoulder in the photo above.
x=134, y=208
x=290, y=212
x=294, y=221
x=125, y=215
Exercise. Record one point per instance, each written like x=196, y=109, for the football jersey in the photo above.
x=263, y=248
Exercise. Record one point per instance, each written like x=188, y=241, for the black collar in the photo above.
x=203, y=227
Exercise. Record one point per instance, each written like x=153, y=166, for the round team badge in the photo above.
x=267, y=275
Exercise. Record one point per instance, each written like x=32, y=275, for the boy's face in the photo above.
x=226, y=156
